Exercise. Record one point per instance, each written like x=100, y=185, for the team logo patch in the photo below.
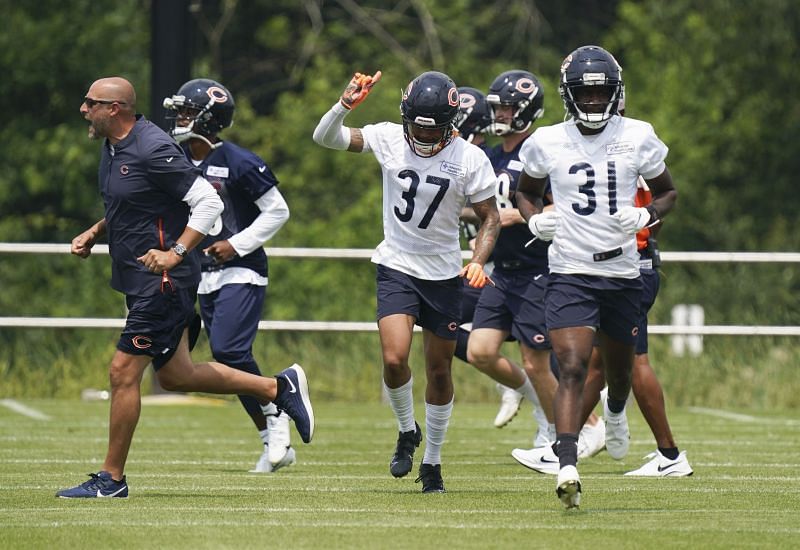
x=620, y=147
x=467, y=100
x=217, y=94
x=538, y=339
x=452, y=97
x=217, y=171
x=124, y=169
x=142, y=342
x=526, y=86
x=635, y=331
x=453, y=326
x=565, y=63
x=453, y=169
x=408, y=90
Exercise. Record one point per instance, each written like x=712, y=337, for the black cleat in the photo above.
x=403, y=458
x=431, y=478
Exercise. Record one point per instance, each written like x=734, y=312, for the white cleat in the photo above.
x=618, y=435
x=540, y=459
x=591, y=440
x=263, y=466
x=568, y=487
x=279, y=443
x=661, y=466
x=510, y=401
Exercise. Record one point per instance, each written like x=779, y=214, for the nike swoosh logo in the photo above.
x=667, y=467
x=292, y=389
x=543, y=459
x=101, y=495
x=538, y=277
x=262, y=169
x=170, y=159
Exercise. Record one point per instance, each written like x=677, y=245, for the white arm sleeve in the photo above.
x=330, y=132
x=205, y=204
x=274, y=213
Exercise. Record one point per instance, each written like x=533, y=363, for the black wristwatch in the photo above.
x=179, y=249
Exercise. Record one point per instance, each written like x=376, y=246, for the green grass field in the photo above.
x=190, y=486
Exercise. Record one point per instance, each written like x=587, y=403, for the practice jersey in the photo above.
x=510, y=252
x=591, y=178
x=422, y=201
x=143, y=180
x=240, y=177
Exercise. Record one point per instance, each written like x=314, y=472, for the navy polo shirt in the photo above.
x=510, y=252
x=240, y=177
x=143, y=180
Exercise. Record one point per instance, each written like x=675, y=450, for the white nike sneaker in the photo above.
x=540, y=459
x=510, y=401
x=568, y=487
x=661, y=466
x=263, y=466
x=591, y=440
x=278, y=439
x=618, y=434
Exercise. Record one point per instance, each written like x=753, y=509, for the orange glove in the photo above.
x=476, y=277
x=358, y=89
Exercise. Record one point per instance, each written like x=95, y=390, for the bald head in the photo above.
x=115, y=88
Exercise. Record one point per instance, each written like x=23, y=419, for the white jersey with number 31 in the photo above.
x=591, y=178
x=422, y=201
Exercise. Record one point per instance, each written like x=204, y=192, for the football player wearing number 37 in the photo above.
x=428, y=177
x=592, y=162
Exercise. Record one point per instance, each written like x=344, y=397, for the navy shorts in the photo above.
x=469, y=299
x=155, y=324
x=650, y=284
x=436, y=305
x=612, y=304
x=231, y=315
x=515, y=304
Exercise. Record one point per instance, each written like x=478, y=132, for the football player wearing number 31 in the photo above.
x=593, y=162
x=428, y=176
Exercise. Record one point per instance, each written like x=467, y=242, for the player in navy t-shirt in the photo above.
x=234, y=265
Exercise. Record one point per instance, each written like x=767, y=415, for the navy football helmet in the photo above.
x=521, y=90
x=582, y=72
x=207, y=106
x=430, y=102
x=473, y=113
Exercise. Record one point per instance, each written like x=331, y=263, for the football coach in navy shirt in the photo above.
x=150, y=190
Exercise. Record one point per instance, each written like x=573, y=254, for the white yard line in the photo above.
x=24, y=410
x=723, y=414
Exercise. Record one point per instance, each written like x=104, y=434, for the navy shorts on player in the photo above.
x=612, y=304
x=650, y=284
x=155, y=324
x=514, y=305
x=436, y=305
x=231, y=315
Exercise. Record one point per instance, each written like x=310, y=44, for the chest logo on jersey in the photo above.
x=217, y=171
x=453, y=169
x=620, y=147
x=124, y=169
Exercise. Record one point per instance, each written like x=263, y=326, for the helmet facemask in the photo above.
x=426, y=148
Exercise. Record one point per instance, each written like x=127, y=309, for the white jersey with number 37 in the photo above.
x=422, y=201
x=591, y=178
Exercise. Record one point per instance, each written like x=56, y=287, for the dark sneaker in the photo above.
x=295, y=401
x=403, y=458
x=99, y=486
x=431, y=478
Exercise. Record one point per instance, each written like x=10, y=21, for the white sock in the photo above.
x=269, y=409
x=264, y=435
x=528, y=391
x=437, y=417
x=402, y=402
